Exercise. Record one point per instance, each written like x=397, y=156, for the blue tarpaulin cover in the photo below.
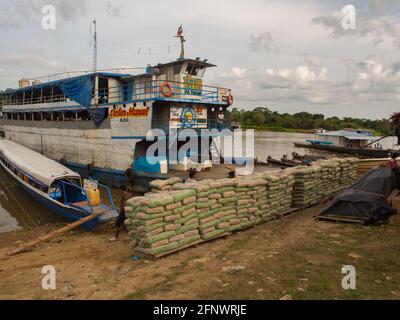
x=147, y=164
x=79, y=89
x=98, y=115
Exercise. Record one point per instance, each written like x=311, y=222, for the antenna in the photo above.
x=179, y=34
x=94, y=34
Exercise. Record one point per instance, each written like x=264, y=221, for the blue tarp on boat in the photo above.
x=79, y=89
x=148, y=164
x=98, y=115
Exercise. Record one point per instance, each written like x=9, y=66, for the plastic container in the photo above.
x=94, y=196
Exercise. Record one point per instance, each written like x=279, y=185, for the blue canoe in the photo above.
x=55, y=186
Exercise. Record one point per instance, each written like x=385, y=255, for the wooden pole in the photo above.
x=51, y=235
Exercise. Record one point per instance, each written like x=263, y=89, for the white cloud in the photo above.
x=367, y=81
x=238, y=72
x=372, y=25
x=16, y=14
x=262, y=43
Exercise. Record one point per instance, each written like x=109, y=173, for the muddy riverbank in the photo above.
x=295, y=256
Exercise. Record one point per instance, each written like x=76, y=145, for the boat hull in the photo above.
x=65, y=212
x=362, y=152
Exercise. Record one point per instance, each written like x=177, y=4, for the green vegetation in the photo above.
x=267, y=120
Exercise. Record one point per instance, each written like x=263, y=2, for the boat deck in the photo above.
x=104, y=213
x=219, y=171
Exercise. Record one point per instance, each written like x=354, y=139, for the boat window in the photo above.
x=201, y=71
x=103, y=90
x=84, y=115
x=192, y=69
x=37, y=116
x=177, y=69
x=69, y=116
x=36, y=95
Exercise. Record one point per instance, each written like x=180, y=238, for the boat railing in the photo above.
x=107, y=190
x=17, y=101
x=130, y=92
x=67, y=198
x=208, y=124
x=161, y=90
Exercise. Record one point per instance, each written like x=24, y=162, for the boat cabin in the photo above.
x=346, y=138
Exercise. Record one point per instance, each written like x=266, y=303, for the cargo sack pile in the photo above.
x=176, y=215
x=162, y=222
x=164, y=185
x=215, y=206
x=337, y=174
x=251, y=202
x=280, y=191
x=307, y=185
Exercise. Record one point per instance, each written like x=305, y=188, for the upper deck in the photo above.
x=178, y=81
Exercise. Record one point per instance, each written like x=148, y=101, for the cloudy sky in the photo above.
x=287, y=55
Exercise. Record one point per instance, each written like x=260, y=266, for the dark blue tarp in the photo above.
x=79, y=89
x=98, y=115
x=148, y=164
x=366, y=199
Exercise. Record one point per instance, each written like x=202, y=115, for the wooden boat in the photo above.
x=361, y=152
x=54, y=185
x=282, y=163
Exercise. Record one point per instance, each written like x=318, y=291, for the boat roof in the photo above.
x=59, y=81
x=348, y=134
x=35, y=164
x=201, y=63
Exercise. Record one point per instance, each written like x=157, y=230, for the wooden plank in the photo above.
x=51, y=235
x=160, y=255
x=341, y=219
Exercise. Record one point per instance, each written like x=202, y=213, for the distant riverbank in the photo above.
x=276, y=129
x=290, y=130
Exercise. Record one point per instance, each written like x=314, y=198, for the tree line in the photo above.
x=264, y=119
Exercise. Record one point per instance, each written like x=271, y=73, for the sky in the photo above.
x=287, y=55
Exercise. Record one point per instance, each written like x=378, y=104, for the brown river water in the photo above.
x=19, y=211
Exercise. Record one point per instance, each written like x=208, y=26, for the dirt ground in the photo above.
x=294, y=257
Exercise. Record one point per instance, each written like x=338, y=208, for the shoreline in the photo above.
x=281, y=257
x=289, y=130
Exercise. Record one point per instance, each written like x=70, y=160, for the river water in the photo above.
x=19, y=211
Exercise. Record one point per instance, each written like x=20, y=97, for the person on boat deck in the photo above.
x=395, y=169
x=126, y=195
x=393, y=162
x=192, y=174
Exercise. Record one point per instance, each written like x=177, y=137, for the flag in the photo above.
x=179, y=33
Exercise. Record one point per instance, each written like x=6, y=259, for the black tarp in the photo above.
x=366, y=199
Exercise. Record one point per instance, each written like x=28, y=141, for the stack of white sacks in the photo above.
x=176, y=215
x=162, y=222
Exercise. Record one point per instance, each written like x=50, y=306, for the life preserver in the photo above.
x=230, y=99
x=168, y=86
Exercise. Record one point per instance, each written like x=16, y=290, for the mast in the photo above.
x=94, y=46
